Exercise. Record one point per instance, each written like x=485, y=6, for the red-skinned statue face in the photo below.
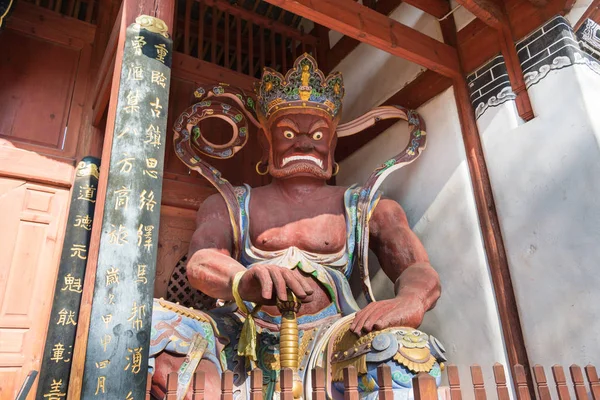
x=301, y=143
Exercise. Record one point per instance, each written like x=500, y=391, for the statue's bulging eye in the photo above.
x=317, y=136
x=289, y=134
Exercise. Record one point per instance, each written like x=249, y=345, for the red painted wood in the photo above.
x=384, y=380
x=454, y=383
x=350, y=384
x=478, y=385
x=521, y=383
x=561, y=382
x=578, y=382
x=594, y=382
x=541, y=382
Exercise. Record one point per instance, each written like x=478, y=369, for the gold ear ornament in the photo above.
x=258, y=169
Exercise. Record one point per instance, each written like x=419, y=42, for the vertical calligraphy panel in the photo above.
x=117, y=350
x=58, y=351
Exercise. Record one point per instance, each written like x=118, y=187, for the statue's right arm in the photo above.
x=211, y=268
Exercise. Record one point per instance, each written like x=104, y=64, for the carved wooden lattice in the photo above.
x=180, y=291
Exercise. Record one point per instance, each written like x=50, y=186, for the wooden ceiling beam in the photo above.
x=346, y=44
x=369, y=26
x=487, y=11
x=437, y=8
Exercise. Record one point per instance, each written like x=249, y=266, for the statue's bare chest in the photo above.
x=316, y=225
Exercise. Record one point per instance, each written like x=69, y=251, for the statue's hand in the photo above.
x=399, y=311
x=263, y=284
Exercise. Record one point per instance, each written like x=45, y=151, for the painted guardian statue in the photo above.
x=278, y=257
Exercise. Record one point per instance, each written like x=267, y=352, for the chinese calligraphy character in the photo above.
x=148, y=229
x=135, y=72
x=57, y=352
x=100, y=385
x=148, y=201
x=126, y=164
x=153, y=136
x=161, y=52
x=72, y=284
x=129, y=396
x=112, y=276
x=138, y=43
x=79, y=251
x=83, y=221
x=102, y=364
x=132, y=103
x=111, y=299
x=55, y=393
x=118, y=236
x=146, y=233
x=134, y=360
x=122, y=198
x=107, y=318
x=159, y=78
x=156, y=108
x=137, y=312
x=151, y=163
x=141, y=274
x=106, y=339
x=87, y=193
x=66, y=317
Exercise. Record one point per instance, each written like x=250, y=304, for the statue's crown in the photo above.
x=303, y=86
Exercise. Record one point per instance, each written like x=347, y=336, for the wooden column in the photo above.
x=488, y=219
x=105, y=199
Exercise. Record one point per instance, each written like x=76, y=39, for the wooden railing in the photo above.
x=236, y=38
x=83, y=10
x=423, y=384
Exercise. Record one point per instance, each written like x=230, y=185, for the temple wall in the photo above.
x=437, y=196
x=545, y=176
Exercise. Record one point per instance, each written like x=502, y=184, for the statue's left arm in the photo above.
x=404, y=260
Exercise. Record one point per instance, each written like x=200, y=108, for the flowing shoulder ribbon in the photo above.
x=416, y=144
x=233, y=106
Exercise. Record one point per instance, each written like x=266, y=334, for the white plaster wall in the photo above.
x=371, y=75
x=545, y=176
x=437, y=196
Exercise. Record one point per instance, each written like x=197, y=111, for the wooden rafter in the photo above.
x=346, y=44
x=369, y=26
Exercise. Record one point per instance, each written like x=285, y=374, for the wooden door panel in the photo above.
x=33, y=219
x=35, y=102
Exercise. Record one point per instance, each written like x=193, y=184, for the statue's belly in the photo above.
x=316, y=302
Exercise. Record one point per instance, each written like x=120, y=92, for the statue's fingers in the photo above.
x=266, y=284
x=294, y=284
x=371, y=320
x=279, y=282
x=305, y=285
x=359, y=320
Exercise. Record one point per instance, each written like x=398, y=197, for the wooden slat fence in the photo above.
x=424, y=384
x=236, y=38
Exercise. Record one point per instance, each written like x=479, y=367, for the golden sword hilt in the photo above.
x=288, y=339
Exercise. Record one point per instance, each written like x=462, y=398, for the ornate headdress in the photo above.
x=304, y=86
